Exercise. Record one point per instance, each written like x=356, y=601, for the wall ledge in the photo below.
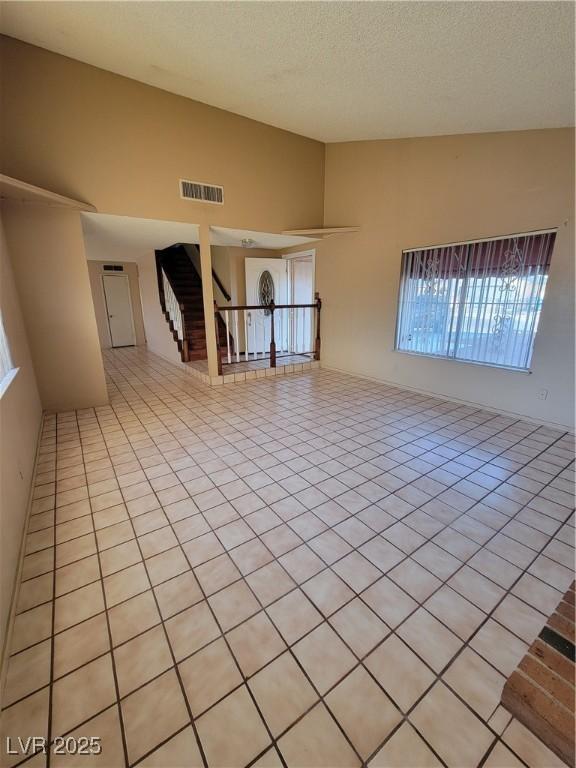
x=22, y=192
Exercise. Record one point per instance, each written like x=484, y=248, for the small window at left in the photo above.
x=5, y=358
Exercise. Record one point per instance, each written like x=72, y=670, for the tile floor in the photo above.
x=253, y=364
x=311, y=570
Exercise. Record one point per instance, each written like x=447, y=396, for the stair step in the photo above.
x=187, y=286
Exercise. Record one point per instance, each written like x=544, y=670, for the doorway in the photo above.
x=286, y=280
x=119, y=310
x=266, y=280
x=300, y=271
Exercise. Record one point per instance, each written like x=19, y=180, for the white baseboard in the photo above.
x=9, y=629
x=474, y=404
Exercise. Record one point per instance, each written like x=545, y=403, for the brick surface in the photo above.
x=540, y=692
x=542, y=714
x=562, y=626
x=552, y=683
x=566, y=609
x=552, y=659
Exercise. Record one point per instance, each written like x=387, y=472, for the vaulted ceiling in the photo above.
x=334, y=71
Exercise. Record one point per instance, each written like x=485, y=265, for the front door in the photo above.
x=265, y=280
x=119, y=310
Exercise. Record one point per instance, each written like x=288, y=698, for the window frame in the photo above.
x=453, y=358
x=9, y=374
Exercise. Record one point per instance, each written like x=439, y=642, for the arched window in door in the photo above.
x=266, y=290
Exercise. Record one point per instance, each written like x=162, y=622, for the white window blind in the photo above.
x=5, y=357
x=477, y=301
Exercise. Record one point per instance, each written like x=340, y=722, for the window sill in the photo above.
x=7, y=380
x=495, y=366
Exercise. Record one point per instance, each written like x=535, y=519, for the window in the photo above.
x=477, y=301
x=5, y=357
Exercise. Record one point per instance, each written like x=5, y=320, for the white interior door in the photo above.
x=119, y=309
x=266, y=279
x=301, y=291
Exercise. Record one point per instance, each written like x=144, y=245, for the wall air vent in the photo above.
x=113, y=268
x=206, y=193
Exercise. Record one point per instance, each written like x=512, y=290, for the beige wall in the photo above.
x=417, y=192
x=231, y=260
x=51, y=273
x=122, y=146
x=20, y=421
x=96, y=270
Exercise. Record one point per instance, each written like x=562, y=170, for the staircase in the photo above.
x=185, y=286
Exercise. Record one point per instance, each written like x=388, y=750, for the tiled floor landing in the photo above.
x=308, y=570
x=246, y=370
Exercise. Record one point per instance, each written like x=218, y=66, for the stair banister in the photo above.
x=220, y=285
x=160, y=281
x=318, y=338
x=272, y=339
x=175, y=311
x=215, y=276
x=185, y=347
x=218, y=352
x=290, y=334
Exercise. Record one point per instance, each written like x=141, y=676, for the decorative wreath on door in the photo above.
x=266, y=290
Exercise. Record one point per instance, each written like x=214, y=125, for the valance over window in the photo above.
x=477, y=301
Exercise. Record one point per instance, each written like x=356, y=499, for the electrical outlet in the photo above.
x=542, y=394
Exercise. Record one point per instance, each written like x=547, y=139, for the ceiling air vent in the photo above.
x=207, y=193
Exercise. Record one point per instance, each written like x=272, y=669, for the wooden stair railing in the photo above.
x=185, y=312
x=218, y=282
x=220, y=286
x=215, y=277
x=174, y=313
x=279, y=330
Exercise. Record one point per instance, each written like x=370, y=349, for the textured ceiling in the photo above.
x=334, y=71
